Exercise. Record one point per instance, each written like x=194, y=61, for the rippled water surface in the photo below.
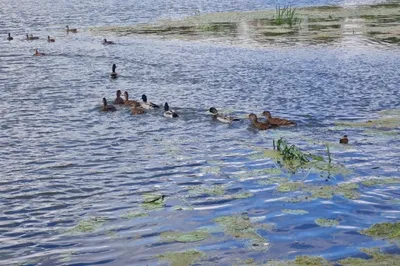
x=71, y=176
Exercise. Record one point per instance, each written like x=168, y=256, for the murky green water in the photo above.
x=76, y=183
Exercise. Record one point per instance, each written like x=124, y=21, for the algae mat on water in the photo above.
x=389, y=231
x=182, y=237
x=185, y=258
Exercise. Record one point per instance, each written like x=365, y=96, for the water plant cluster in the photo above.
x=286, y=15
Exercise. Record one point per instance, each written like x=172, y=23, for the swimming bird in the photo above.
x=344, y=140
x=259, y=125
x=118, y=99
x=137, y=109
x=71, y=30
x=114, y=74
x=30, y=37
x=147, y=105
x=9, y=38
x=127, y=101
x=276, y=121
x=37, y=53
x=221, y=117
x=107, y=42
x=169, y=113
x=50, y=39
x=108, y=108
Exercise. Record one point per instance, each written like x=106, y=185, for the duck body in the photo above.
x=129, y=102
x=168, y=112
x=37, y=53
x=259, y=125
x=50, y=39
x=108, y=108
x=276, y=121
x=9, y=38
x=344, y=140
x=147, y=105
x=137, y=109
x=105, y=42
x=114, y=74
x=221, y=117
x=71, y=30
x=31, y=37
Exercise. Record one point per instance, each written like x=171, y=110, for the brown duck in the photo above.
x=118, y=100
x=276, y=121
x=259, y=125
x=344, y=140
x=137, y=109
x=127, y=101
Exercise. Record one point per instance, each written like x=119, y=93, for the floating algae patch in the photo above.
x=153, y=201
x=241, y=227
x=389, y=119
x=211, y=170
x=326, y=222
x=378, y=258
x=216, y=190
x=300, y=261
x=347, y=190
x=273, y=180
x=290, y=186
x=185, y=258
x=295, y=212
x=240, y=195
x=389, y=231
x=182, y=237
x=89, y=225
x=259, y=173
x=383, y=181
x=133, y=214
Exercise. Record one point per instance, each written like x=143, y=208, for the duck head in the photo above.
x=105, y=40
x=253, y=117
x=27, y=36
x=119, y=93
x=114, y=67
x=9, y=34
x=213, y=110
x=126, y=95
x=166, y=107
x=104, y=102
x=67, y=27
x=144, y=98
x=267, y=114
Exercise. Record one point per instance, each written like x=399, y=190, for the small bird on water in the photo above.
x=344, y=140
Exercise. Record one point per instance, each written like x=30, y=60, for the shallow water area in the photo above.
x=83, y=187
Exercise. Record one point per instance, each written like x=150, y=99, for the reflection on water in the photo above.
x=75, y=180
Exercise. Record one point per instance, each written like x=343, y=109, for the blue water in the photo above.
x=63, y=161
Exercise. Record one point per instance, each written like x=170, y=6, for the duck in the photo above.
x=9, y=38
x=107, y=42
x=169, y=113
x=108, y=108
x=259, y=125
x=127, y=101
x=37, y=53
x=71, y=30
x=118, y=100
x=30, y=37
x=344, y=140
x=114, y=74
x=147, y=105
x=137, y=109
x=221, y=117
x=276, y=121
x=50, y=39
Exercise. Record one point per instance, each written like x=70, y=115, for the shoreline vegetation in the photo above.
x=379, y=23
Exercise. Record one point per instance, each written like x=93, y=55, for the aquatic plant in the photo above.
x=295, y=212
x=326, y=222
x=286, y=15
x=133, y=214
x=389, y=231
x=153, y=201
x=376, y=181
x=378, y=258
x=300, y=261
x=185, y=258
x=182, y=237
x=89, y=225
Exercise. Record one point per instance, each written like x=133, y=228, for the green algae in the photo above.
x=133, y=214
x=390, y=231
x=153, y=201
x=375, y=181
x=295, y=212
x=241, y=227
x=290, y=186
x=211, y=170
x=300, y=261
x=240, y=262
x=326, y=222
x=378, y=258
x=185, y=258
x=216, y=190
x=182, y=237
x=273, y=180
x=89, y=225
x=241, y=195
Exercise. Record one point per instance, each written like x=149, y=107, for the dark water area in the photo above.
x=64, y=162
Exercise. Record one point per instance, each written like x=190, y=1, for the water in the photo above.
x=63, y=161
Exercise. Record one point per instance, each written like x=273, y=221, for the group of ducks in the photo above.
x=138, y=108
x=30, y=37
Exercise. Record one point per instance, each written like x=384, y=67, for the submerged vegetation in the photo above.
x=390, y=231
x=89, y=225
x=194, y=236
x=185, y=258
x=286, y=15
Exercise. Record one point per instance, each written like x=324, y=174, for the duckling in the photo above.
x=169, y=113
x=37, y=53
x=114, y=74
x=127, y=101
x=9, y=38
x=30, y=37
x=108, y=108
x=344, y=140
x=118, y=100
x=221, y=117
x=50, y=39
x=137, y=109
x=257, y=124
x=276, y=121
x=71, y=30
x=105, y=42
x=147, y=105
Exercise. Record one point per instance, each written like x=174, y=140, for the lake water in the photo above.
x=65, y=164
